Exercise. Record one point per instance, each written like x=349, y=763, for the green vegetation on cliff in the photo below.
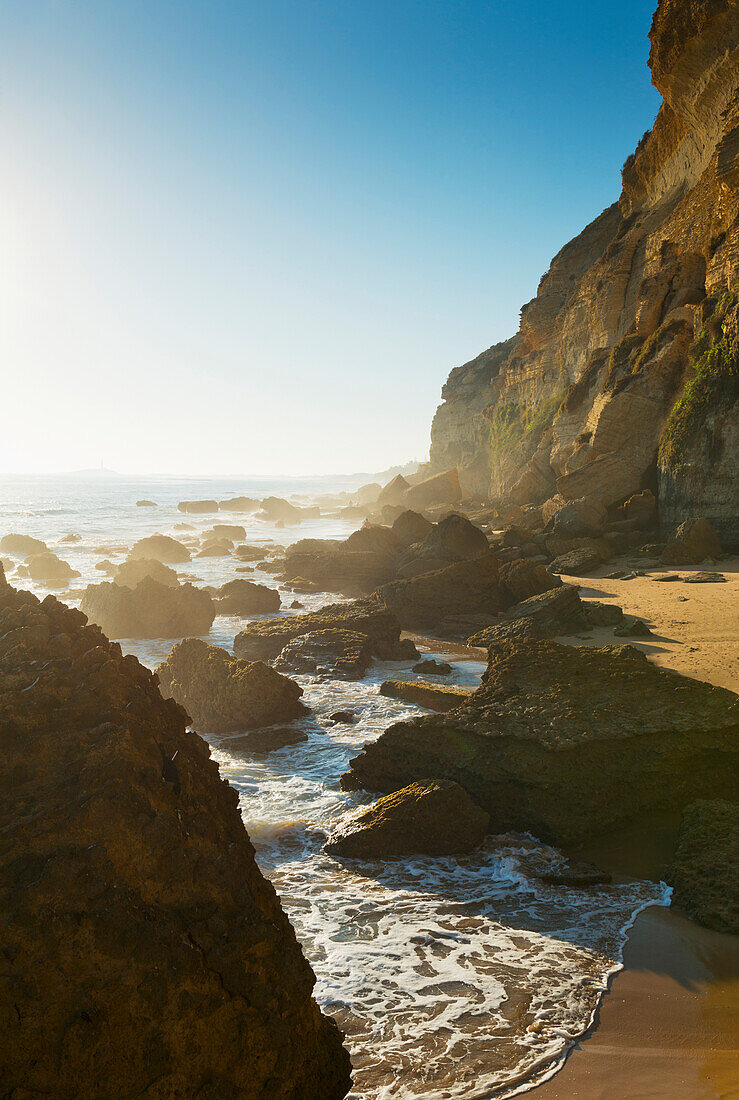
x=714, y=380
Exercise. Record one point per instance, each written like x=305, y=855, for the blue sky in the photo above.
x=255, y=237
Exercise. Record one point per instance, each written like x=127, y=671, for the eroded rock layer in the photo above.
x=625, y=369
x=143, y=952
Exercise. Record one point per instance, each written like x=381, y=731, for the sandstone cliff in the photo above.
x=624, y=372
x=144, y=955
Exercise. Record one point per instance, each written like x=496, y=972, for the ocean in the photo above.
x=452, y=978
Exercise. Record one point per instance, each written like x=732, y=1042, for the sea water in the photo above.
x=455, y=977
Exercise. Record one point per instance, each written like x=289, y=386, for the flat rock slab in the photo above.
x=438, y=697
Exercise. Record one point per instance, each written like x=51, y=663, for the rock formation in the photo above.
x=223, y=694
x=150, y=610
x=242, y=597
x=438, y=819
x=49, y=568
x=138, y=960
x=567, y=742
x=263, y=640
x=342, y=654
x=130, y=572
x=161, y=548
x=22, y=545
x=624, y=374
x=704, y=872
x=439, y=697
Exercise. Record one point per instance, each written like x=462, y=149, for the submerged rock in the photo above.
x=436, y=668
x=161, y=548
x=259, y=741
x=265, y=639
x=567, y=742
x=434, y=819
x=223, y=694
x=139, y=960
x=130, y=572
x=705, y=868
x=344, y=654
x=242, y=597
x=150, y=610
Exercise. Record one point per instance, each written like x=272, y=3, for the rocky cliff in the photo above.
x=143, y=953
x=624, y=371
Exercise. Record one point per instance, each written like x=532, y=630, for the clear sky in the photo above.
x=254, y=236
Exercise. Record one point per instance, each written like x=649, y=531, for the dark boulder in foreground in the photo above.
x=138, y=958
x=223, y=694
x=425, y=600
x=343, y=654
x=150, y=610
x=437, y=819
x=695, y=541
x=705, y=869
x=264, y=640
x=567, y=742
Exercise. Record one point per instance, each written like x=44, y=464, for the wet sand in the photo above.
x=668, y=1029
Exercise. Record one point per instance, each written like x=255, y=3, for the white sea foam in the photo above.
x=457, y=978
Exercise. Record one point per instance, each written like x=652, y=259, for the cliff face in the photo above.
x=623, y=373
x=143, y=952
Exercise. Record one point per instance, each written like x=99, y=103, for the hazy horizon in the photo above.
x=246, y=237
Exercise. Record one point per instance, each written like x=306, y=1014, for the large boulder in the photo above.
x=524, y=578
x=340, y=567
x=265, y=639
x=22, y=546
x=197, y=506
x=161, y=548
x=425, y=600
x=239, y=504
x=144, y=954
x=411, y=527
x=435, y=819
x=215, y=548
x=443, y=488
x=233, y=531
x=567, y=742
x=695, y=541
x=150, y=610
x=452, y=539
x=130, y=572
x=546, y=615
x=393, y=493
x=704, y=872
x=374, y=537
x=50, y=569
x=576, y=563
x=223, y=694
x=342, y=654
x=277, y=510
x=242, y=597
x=580, y=518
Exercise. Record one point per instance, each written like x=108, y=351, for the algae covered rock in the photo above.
x=223, y=694
x=344, y=654
x=434, y=819
x=567, y=742
x=264, y=640
x=150, y=610
x=705, y=868
x=138, y=958
x=161, y=548
x=242, y=597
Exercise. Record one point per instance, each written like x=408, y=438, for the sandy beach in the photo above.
x=667, y=1029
